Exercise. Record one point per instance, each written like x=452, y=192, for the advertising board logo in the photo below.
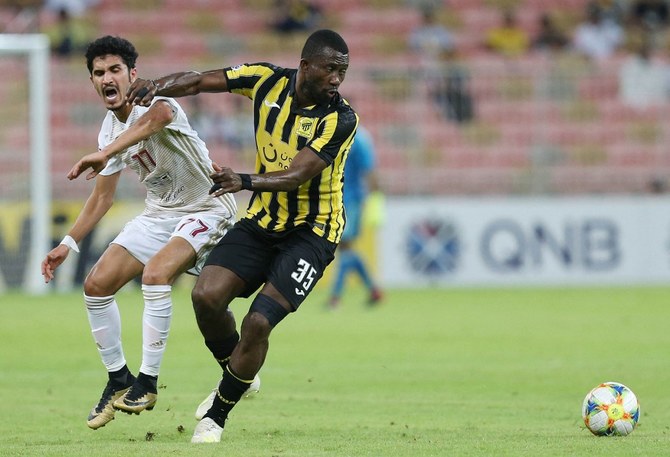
x=589, y=244
x=433, y=247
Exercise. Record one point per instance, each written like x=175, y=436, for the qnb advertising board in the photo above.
x=533, y=241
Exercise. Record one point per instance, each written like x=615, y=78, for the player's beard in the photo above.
x=316, y=93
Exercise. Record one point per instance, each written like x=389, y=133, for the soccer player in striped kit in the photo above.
x=295, y=218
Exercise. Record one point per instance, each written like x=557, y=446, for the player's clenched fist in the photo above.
x=141, y=92
x=225, y=181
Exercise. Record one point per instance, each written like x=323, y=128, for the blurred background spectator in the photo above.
x=549, y=36
x=296, y=16
x=596, y=38
x=451, y=89
x=430, y=39
x=508, y=38
x=68, y=36
x=644, y=79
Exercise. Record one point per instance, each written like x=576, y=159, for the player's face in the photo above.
x=111, y=79
x=323, y=76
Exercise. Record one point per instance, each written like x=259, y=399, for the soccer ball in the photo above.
x=611, y=409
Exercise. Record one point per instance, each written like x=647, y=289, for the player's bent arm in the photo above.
x=305, y=165
x=159, y=115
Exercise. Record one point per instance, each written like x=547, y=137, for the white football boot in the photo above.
x=207, y=431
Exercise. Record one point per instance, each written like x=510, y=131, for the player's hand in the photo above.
x=53, y=261
x=95, y=161
x=141, y=92
x=225, y=181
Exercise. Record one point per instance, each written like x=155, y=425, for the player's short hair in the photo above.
x=111, y=45
x=322, y=39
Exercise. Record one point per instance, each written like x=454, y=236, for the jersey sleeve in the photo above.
x=335, y=133
x=243, y=79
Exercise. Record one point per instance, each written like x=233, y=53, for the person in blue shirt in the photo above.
x=358, y=183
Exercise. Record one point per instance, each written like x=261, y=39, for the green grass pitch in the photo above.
x=459, y=372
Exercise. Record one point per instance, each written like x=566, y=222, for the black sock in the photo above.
x=221, y=350
x=149, y=382
x=122, y=378
x=230, y=391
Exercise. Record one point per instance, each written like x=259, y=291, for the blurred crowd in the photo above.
x=638, y=30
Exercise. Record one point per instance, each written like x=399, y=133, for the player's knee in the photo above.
x=155, y=276
x=93, y=287
x=207, y=301
x=201, y=298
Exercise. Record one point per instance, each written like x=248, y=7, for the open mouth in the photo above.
x=110, y=93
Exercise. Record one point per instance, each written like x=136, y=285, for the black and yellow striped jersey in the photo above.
x=282, y=130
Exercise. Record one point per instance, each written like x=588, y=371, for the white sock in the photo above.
x=105, y=321
x=155, y=326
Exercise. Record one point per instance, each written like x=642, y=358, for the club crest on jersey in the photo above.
x=305, y=127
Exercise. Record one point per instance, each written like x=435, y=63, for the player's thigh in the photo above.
x=246, y=252
x=144, y=236
x=217, y=286
x=202, y=231
x=176, y=257
x=115, y=268
x=300, y=264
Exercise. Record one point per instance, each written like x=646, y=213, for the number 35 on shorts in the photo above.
x=304, y=275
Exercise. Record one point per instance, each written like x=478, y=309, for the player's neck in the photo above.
x=123, y=113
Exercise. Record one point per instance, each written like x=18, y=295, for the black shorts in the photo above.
x=292, y=261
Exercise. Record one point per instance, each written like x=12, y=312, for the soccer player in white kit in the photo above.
x=180, y=224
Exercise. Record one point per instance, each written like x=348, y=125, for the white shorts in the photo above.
x=144, y=236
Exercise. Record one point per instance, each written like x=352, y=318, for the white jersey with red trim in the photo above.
x=173, y=164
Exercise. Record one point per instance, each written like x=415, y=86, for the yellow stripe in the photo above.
x=239, y=379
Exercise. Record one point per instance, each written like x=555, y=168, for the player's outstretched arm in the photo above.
x=97, y=205
x=142, y=91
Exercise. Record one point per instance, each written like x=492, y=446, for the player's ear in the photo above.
x=133, y=74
